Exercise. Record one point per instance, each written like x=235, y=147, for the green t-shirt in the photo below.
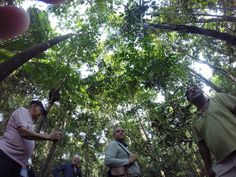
x=217, y=126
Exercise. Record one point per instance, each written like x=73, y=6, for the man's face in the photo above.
x=119, y=133
x=75, y=160
x=194, y=93
x=36, y=112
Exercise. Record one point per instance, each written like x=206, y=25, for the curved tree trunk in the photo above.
x=11, y=64
x=195, y=30
x=217, y=69
x=207, y=82
x=216, y=20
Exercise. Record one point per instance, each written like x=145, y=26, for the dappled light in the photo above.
x=96, y=65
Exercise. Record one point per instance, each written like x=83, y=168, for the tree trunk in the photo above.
x=48, y=159
x=11, y=64
x=233, y=19
x=196, y=30
x=217, y=69
x=50, y=155
x=218, y=18
x=207, y=82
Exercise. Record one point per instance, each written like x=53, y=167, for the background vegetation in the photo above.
x=127, y=63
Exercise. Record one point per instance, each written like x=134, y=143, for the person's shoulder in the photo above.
x=23, y=108
x=20, y=110
x=67, y=163
x=112, y=143
x=220, y=96
x=112, y=146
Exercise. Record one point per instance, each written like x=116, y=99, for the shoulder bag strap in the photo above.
x=123, y=148
x=126, y=168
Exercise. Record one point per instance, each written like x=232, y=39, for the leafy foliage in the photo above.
x=115, y=72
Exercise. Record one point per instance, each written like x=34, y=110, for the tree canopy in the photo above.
x=119, y=62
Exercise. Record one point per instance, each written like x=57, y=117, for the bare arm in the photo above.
x=32, y=135
x=205, y=153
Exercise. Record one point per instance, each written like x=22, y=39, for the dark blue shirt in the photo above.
x=67, y=170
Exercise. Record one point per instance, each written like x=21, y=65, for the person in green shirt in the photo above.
x=214, y=131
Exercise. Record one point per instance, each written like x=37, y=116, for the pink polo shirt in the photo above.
x=15, y=146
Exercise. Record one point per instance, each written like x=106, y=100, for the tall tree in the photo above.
x=11, y=64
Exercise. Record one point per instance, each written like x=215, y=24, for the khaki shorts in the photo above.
x=227, y=168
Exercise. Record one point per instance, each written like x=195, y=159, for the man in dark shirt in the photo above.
x=70, y=169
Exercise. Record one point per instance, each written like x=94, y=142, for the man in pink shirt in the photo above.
x=17, y=143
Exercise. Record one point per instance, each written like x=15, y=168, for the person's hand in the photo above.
x=132, y=158
x=211, y=173
x=56, y=136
